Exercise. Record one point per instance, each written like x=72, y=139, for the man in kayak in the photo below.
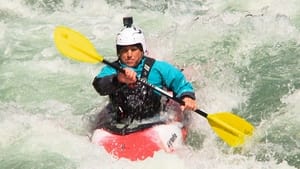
x=129, y=98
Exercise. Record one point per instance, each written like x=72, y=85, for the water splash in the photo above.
x=241, y=56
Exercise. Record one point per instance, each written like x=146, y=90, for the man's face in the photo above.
x=131, y=55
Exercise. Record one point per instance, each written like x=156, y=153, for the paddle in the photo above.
x=229, y=127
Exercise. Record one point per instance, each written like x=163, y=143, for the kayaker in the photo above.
x=130, y=99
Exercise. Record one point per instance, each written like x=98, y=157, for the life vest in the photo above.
x=136, y=102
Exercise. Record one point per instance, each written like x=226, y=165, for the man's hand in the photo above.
x=189, y=104
x=128, y=77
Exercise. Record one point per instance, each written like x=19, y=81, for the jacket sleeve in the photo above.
x=106, y=81
x=175, y=81
x=106, y=85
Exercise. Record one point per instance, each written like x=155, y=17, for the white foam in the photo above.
x=171, y=37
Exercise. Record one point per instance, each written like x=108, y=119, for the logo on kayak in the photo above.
x=172, y=140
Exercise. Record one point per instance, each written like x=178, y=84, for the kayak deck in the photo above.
x=138, y=142
x=143, y=144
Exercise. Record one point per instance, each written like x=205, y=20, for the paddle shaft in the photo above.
x=161, y=91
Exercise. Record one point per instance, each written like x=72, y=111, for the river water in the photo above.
x=242, y=57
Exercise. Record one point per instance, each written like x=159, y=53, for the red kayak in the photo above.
x=143, y=143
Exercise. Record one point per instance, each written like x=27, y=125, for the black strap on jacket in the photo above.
x=147, y=67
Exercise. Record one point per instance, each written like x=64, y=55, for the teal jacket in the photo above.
x=162, y=75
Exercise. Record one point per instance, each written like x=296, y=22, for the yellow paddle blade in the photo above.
x=231, y=128
x=75, y=46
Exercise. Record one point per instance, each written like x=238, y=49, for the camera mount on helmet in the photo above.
x=130, y=35
x=127, y=21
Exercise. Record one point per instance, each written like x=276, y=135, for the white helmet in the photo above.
x=130, y=36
